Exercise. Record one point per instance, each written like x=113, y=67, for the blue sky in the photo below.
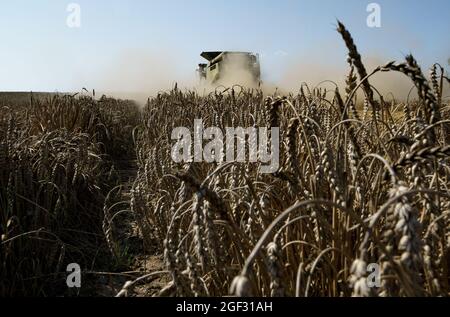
x=39, y=51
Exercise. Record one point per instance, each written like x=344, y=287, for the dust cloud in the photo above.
x=315, y=72
x=138, y=75
x=235, y=71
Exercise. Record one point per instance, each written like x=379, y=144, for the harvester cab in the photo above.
x=230, y=68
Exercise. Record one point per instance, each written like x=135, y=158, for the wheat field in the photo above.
x=360, y=183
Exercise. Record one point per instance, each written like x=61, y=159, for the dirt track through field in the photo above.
x=140, y=261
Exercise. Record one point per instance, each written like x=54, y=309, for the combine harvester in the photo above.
x=230, y=68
